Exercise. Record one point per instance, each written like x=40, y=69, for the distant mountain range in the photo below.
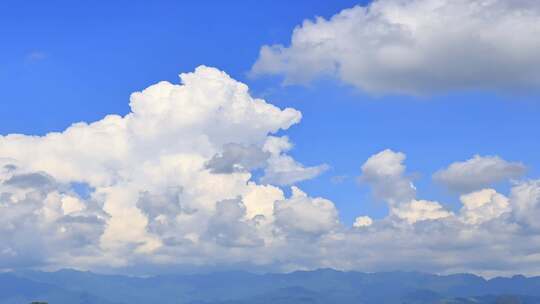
x=303, y=287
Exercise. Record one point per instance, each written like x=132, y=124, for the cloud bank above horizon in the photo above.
x=416, y=47
x=172, y=184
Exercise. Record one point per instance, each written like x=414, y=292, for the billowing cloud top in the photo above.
x=165, y=176
x=171, y=184
x=416, y=47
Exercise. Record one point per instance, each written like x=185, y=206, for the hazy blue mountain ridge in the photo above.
x=320, y=286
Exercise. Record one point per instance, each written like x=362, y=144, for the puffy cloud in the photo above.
x=420, y=210
x=228, y=226
x=362, y=221
x=525, y=199
x=478, y=172
x=172, y=176
x=384, y=172
x=420, y=234
x=416, y=47
x=485, y=236
x=170, y=186
x=282, y=169
x=304, y=215
x=483, y=205
x=44, y=221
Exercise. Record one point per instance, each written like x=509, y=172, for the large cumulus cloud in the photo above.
x=416, y=47
x=172, y=178
x=172, y=184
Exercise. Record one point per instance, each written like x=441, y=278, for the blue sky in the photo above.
x=79, y=62
x=64, y=62
x=90, y=57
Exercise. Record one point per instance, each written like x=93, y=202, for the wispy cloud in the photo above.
x=35, y=56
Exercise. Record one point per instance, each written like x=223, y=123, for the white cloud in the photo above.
x=486, y=236
x=483, y=205
x=416, y=47
x=362, y=221
x=384, y=172
x=282, y=169
x=44, y=220
x=305, y=215
x=525, y=199
x=478, y=172
x=170, y=187
x=169, y=175
x=172, y=180
x=420, y=210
